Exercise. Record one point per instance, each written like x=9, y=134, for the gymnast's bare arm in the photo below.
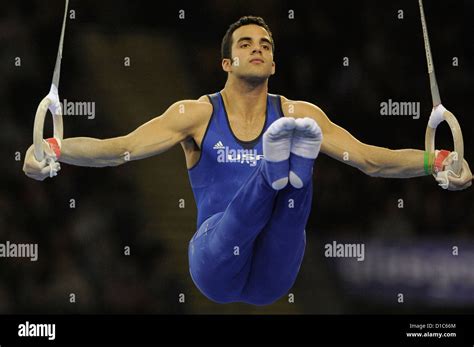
x=178, y=123
x=372, y=160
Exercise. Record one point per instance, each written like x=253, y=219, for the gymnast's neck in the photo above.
x=246, y=99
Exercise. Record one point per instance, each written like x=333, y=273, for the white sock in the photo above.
x=276, y=150
x=305, y=147
x=277, y=139
x=307, y=138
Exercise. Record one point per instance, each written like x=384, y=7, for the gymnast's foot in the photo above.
x=305, y=146
x=276, y=151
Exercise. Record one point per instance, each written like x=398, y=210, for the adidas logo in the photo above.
x=219, y=145
x=241, y=156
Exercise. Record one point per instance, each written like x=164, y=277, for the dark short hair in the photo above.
x=226, y=45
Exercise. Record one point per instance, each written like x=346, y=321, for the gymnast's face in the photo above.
x=252, y=54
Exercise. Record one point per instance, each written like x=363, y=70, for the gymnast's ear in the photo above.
x=273, y=67
x=227, y=65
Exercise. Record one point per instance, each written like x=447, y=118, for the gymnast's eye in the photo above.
x=244, y=45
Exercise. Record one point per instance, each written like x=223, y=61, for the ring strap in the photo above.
x=54, y=145
x=438, y=163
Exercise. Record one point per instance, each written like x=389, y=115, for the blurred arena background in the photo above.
x=409, y=250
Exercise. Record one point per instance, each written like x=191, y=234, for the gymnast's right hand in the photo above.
x=39, y=170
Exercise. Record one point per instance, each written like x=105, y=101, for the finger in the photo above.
x=465, y=177
x=460, y=187
x=54, y=169
x=442, y=180
x=458, y=180
x=45, y=171
x=36, y=166
x=42, y=163
x=51, y=169
x=32, y=167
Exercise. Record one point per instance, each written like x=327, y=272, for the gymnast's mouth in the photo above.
x=257, y=61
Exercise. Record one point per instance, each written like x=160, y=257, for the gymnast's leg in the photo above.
x=228, y=256
x=279, y=248
x=220, y=253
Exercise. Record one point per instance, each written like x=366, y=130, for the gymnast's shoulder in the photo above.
x=302, y=109
x=195, y=111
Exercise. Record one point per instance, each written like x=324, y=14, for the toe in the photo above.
x=287, y=123
x=282, y=126
x=303, y=123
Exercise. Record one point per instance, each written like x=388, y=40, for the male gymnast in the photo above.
x=248, y=153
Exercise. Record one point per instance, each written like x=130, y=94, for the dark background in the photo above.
x=81, y=249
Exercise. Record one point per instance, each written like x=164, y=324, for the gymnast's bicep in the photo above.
x=337, y=143
x=161, y=133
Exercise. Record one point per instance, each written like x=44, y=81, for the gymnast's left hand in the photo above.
x=463, y=181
